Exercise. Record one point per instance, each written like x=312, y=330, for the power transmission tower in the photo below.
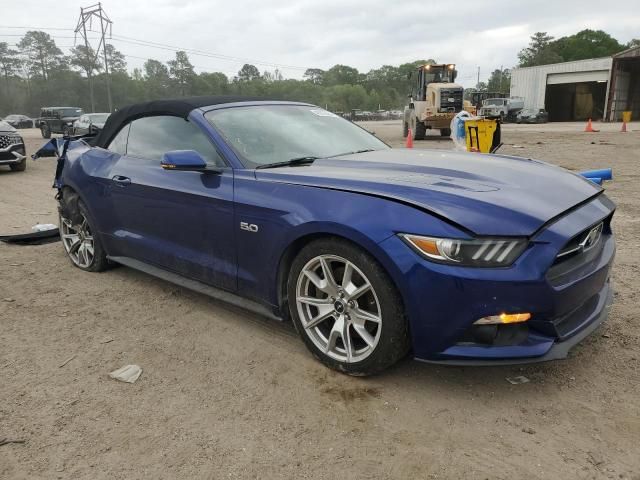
x=85, y=23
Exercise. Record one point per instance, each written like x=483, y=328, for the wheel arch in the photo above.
x=360, y=241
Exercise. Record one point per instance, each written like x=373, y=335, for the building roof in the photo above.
x=629, y=52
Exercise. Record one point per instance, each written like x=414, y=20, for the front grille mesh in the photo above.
x=451, y=99
x=8, y=140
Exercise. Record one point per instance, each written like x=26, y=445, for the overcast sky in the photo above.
x=321, y=33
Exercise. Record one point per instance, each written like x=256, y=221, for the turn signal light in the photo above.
x=504, y=318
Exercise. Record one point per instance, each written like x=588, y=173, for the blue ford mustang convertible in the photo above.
x=372, y=252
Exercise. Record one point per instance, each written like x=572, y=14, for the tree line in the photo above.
x=36, y=73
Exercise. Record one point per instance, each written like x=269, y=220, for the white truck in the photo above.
x=506, y=109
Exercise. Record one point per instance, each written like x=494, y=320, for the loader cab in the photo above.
x=433, y=73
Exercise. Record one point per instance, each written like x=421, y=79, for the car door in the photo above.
x=179, y=220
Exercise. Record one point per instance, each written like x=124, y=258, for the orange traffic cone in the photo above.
x=409, y=143
x=624, y=127
x=589, y=127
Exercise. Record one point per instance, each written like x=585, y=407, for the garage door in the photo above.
x=578, y=77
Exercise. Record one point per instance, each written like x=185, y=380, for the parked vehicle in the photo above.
x=19, y=121
x=58, y=120
x=476, y=98
x=287, y=209
x=532, y=115
x=90, y=123
x=12, y=150
x=434, y=102
x=506, y=109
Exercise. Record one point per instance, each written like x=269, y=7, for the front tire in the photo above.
x=82, y=245
x=44, y=130
x=420, y=131
x=346, y=309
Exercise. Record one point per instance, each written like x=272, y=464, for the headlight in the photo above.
x=485, y=252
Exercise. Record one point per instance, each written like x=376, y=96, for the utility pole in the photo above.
x=478, y=83
x=87, y=16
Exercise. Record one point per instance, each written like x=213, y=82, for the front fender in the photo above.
x=288, y=215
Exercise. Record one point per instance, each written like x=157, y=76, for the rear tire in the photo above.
x=20, y=166
x=44, y=130
x=362, y=306
x=445, y=132
x=82, y=243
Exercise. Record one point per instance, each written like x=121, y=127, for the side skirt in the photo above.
x=197, y=286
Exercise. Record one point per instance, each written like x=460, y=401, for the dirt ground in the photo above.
x=227, y=394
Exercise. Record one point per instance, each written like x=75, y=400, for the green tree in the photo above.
x=156, y=78
x=211, y=83
x=539, y=51
x=9, y=63
x=181, y=72
x=341, y=75
x=314, y=75
x=499, y=81
x=41, y=52
x=586, y=44
x=248, y=73
x=85, y=58
x=115, y=60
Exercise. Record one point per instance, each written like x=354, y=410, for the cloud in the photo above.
x=308, y=33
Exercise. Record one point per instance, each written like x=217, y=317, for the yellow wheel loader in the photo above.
x=434, y=101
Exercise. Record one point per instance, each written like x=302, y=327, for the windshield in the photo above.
x=12, y=117
x=528, y=111
x=494, y=101
x=70, y=112
x=264, y=134
x=98, y=117
x=438, y=76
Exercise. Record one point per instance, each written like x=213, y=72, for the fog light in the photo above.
x=504, y=318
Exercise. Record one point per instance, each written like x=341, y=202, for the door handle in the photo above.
x=121, y=181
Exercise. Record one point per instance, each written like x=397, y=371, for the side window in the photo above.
x=151, y=137
x=119, y=143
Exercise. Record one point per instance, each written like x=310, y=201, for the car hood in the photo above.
x=6, y=127
x=486, y=194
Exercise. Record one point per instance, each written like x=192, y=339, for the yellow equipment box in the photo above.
x=482, y=134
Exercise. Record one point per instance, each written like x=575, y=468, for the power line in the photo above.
x=204, y=53
x=174, y=48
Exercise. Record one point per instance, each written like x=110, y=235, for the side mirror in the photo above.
x=184, y=160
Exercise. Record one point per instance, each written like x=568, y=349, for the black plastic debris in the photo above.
x=33, y=238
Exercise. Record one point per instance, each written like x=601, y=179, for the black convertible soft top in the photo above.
x=178, y=107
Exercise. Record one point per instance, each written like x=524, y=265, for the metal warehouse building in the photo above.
x=598, y=88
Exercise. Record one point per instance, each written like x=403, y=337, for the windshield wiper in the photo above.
x=353, y=153
x=290, y=163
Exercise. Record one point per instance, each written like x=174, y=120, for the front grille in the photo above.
x=7, y=140
x=581, y=243
x=451, y=100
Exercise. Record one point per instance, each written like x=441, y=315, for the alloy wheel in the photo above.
x=77, y=241
x=338, y=308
